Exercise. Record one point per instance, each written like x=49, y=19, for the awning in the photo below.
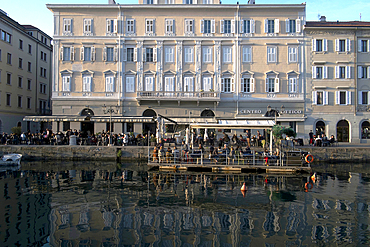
x=134, y=119
x=99, y=119
x=55, y=118
x=236, y=124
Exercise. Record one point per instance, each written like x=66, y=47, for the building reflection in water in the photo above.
x=132, y=207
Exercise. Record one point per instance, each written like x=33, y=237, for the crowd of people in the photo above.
x=48, y=137
x=321, y=140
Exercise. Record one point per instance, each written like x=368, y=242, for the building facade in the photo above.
x=25, y=74
x=339, y=59
x=186, y=61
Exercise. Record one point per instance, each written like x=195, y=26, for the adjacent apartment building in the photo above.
x=338, y=56
x=189, y=61
x=25, y=74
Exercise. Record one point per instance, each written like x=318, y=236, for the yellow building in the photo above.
x=189, y=61
x=338, y=77
x=25, y=74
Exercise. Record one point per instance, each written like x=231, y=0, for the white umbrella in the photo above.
x=157, y=135
x=163, y=130
x=187, y=136
x=158, y=132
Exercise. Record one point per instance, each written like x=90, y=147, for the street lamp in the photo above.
x=275, y=111
x=110, y=110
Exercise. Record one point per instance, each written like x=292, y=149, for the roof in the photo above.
x=337, y=24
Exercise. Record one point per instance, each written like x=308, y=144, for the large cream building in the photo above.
x=25, y=74
x=338, y=76
x=188, y=61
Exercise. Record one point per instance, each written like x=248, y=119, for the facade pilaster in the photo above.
x=140, y=61
x=179, y=66
x=217, y=76
x=159, y=65
x=198, y=65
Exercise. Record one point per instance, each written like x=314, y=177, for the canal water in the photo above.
x=109, y=204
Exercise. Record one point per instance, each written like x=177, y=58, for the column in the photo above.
x=140, y=66
x=217, y=76
x=159, y=66
x=198, y=66
x=179, y=66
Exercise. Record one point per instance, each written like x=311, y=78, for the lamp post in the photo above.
x=276, y=111
x=110, y=110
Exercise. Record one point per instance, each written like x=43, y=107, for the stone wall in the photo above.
x=138, y=153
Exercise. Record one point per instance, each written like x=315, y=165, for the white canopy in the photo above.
x=236, y=124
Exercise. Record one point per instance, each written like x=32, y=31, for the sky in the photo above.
x=34, y=12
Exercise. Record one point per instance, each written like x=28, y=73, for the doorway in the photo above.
x=87, y=128
x=343, y=131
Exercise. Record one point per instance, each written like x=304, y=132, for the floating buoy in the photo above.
x=243, y=188
x=244, y=192
x=308, y=158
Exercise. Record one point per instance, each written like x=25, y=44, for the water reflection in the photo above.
x=126, y=205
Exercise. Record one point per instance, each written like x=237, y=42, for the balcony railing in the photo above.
x=173, y=95
x=44, y=112
x=84, y=94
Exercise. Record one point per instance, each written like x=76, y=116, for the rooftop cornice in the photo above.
x=171, y=6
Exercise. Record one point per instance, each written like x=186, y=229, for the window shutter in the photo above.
x=314, y=97
x=232, y=85
x=277, y=26
x=359, y=71
x=325, y=97
x=252, y=26
x=135, y=54
x=222, y=85
x=368, y=97
x=348, y=72
x=105, y=54
x=290, y=88
x=241, y=26
x=336, y=44
x=115, y=54
x=221, y=26
x=348, y=100
x=71, y=25
x=277, y=85
x=134, y=27
x=201, y=26
x=84, y=79
x=287, y=26
x=337, y=97
x=61, y=53
x=124, y=55
x=153, y=26
x=213, y=26
x=368, y=72
x=93, y=53
x=359, y=45
x=266, y=85
x=313, y=44
x=325, y=72
x=313, y=72
x=144, y=54
x=348, y=45
x=155, y=1
x=108, y=27
x=325, y=45
x=251, y=85
x=336, y=72
x=266, y=26
x=72, y=53
x=298, y=25
x=115, y=24
x=186, y=25
x=360, y=97
x=82, y=53
x=233, y=26
x=154, y=54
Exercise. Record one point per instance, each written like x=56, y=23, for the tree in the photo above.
x=17, y=130
x=278, y=131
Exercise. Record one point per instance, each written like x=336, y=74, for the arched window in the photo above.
x=207, y=113
x=343, y=131
x=320, y=128
x=87, y=112
x=149, y=113
x=365, y=130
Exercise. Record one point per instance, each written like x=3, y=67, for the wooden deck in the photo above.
x=230, y=168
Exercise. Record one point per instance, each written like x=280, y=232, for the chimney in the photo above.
x=323, y=18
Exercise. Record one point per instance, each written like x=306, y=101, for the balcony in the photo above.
x=43, y=112
x=178, y=96
x=82, y=95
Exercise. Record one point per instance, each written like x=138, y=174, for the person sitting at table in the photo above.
x=332, y=140
x=232, y=154
x=169, y=155
x=248, y=150
x=225, y=149
x=161, y=154
x=175, y=154
x=325, y=141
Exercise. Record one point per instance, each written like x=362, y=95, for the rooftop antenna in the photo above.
x=360, y=16
x=318, y=16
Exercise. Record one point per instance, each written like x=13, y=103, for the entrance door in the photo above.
x=87, y=128
x=320, y=128
x=343, y=131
